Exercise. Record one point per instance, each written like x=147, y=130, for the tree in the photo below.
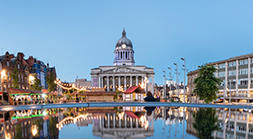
x=50, y=82
x=205, y=122
x=206, y=83
x=37, y=85
x=117, y=95
x=14, y=76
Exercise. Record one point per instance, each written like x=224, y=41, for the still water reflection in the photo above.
x=127, y=122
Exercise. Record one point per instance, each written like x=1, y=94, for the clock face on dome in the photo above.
x=123, y=45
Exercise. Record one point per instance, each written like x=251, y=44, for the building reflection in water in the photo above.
x=125, y=124
x=232, y=123
x=28, y=124
x=129, y=122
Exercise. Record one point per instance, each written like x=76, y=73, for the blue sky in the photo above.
x=78, y=35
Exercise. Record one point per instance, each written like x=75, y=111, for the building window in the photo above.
x=232, y=64
x=232, y=73
x=243, y=62
x=243, y=81
x=243, y=71
x=233, y=82
x=221, y=74
x=251, y=60
x=221, y=66
x=8, y=64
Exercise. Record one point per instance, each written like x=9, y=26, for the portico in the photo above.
x=122, y=77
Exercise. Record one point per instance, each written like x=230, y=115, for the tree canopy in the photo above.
x=206, y=84
x=14, y=76
x=205, y=122
x=37, y=85
x=50, y=82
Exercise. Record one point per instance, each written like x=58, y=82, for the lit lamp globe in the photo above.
x=3, y=74
x=31, y=79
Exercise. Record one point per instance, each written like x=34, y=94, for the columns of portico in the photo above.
x=131, y=81
x=114, y=120
x=108, y=120
x=119, y=123
x=100, y=122
x=124, y=82
x=131, y=123
x=102, y=84
x=113, y=83
x=146, y=84
x=119, y=81
x=137, y=123
x=99, y=82
x=153, y=82
x=137, y=81
x=125, y=121
x=107, y=83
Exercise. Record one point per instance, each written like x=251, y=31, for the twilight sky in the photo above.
x=78, y=35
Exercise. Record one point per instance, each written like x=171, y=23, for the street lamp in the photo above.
x=31, y=79
x=170, y=77
x=176, y=71
x=184, y=68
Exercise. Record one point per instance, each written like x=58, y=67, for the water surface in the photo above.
x=127, y=122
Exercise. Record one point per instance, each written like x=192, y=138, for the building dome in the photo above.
x=124, y=40
x=124, y=53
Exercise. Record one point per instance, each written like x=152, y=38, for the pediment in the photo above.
x=121, y=70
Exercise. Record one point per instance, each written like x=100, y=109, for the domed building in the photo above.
x=124, y=53
x=123, y=73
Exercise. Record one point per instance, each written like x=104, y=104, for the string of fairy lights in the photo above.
x=69, y=86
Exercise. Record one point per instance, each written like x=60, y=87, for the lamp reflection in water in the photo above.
x=34, y=130
x=7, y=135
x=121, y=115
x=144, y=122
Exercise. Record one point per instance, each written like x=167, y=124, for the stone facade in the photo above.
x=123, y=74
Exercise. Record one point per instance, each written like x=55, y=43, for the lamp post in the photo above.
x=170, y=77
x=184, y=68
x=176, y=71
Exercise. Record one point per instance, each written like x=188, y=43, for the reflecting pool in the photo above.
x=127, y=123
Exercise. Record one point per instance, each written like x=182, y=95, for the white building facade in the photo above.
x=236, y=74
x=123, y=73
